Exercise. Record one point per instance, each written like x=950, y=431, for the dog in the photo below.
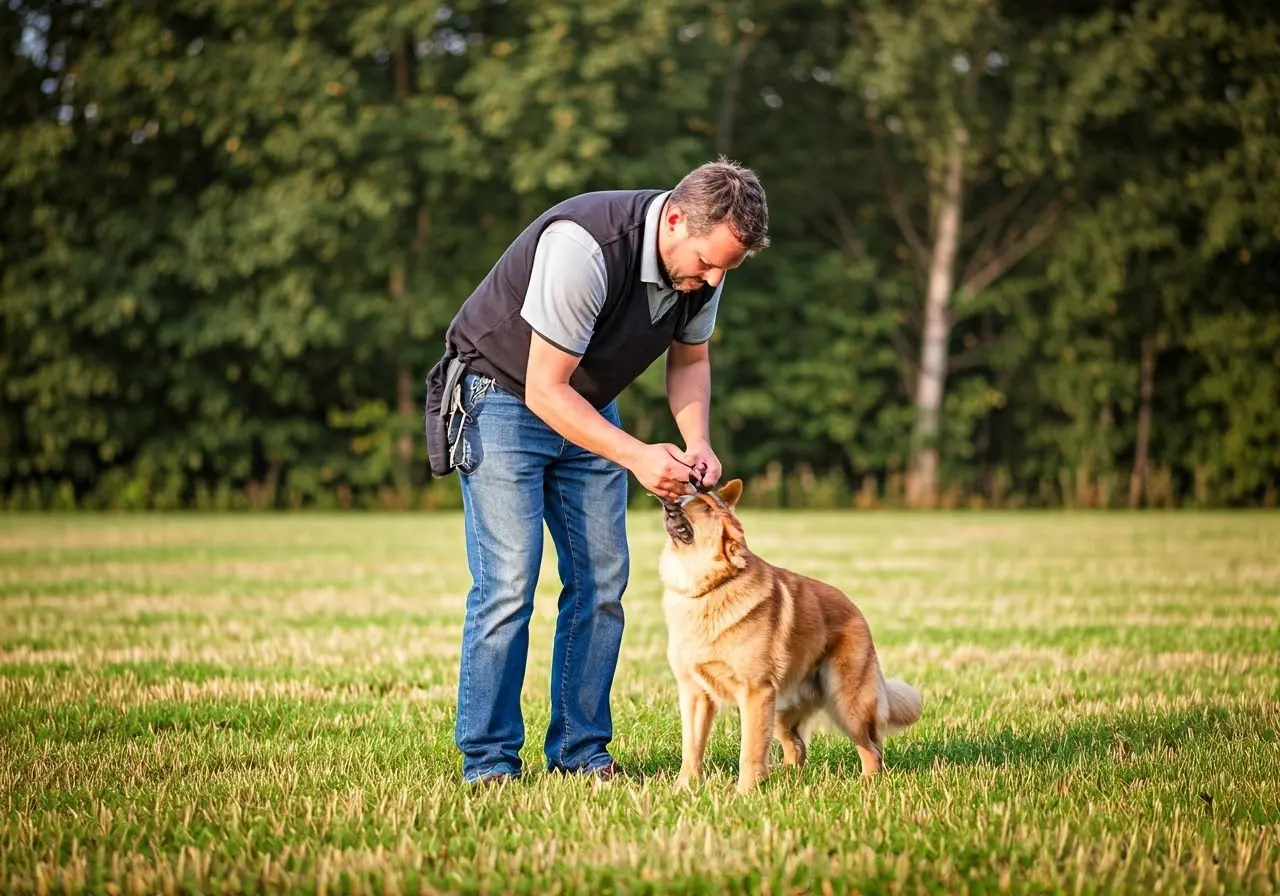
x=779, y=645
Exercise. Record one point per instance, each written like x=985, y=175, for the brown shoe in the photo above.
x=607, y=772
x=493, y=779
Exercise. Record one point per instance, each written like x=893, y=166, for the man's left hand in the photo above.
x=703, y=459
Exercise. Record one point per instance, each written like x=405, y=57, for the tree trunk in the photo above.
x=733, y=87
x=405, y=409
x=922, y=481
x=404, y=387
x=397, y=290
x=1138, y=479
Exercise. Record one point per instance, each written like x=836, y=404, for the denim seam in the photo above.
x=577, y=599
x=469, y=628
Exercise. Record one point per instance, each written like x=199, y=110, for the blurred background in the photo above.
x=1025, y=254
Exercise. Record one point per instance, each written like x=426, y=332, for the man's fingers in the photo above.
x=678, y=475
x=677, y=488
x=683, y=456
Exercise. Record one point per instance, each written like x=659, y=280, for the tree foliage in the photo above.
x=1020, y=256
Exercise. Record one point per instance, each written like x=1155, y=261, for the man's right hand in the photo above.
x=661, y=469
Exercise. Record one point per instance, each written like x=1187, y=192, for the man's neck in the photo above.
x=657, y=247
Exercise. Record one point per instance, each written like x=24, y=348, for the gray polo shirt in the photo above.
x=568, y=285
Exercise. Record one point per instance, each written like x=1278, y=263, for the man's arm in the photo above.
x=689, y=390
x=548, y=394
x=567, y=289
x=663, y=469
x=689, y=387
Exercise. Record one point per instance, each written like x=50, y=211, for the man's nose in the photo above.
x=713, y=276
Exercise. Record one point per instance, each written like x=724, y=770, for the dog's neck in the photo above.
x=691, y=577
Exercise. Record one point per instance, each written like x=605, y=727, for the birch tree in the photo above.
x=971, y=115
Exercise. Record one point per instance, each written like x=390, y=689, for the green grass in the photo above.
x=252, y=703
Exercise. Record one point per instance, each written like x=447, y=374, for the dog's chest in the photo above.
x=710, y=649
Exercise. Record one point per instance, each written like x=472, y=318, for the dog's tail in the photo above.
x=905, y=705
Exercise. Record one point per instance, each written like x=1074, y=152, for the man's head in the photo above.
x=714, y=218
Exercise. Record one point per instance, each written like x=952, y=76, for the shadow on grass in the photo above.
x=1120, y=736
x=908, y=753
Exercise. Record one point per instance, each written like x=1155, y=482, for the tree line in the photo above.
x=1022, y=254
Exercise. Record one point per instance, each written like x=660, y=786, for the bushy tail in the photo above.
x=905, y=705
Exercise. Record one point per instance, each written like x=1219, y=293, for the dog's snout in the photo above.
x=679, y=528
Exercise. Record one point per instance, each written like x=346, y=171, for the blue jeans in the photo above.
x=515, y=473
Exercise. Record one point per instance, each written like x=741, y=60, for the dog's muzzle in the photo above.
x=677, y=524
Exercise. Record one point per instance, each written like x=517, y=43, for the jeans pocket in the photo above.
x=465, y=448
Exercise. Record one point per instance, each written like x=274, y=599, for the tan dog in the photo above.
x=779, y=645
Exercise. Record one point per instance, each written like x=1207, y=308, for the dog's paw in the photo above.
x=750, y=781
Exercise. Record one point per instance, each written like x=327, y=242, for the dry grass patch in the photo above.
x=191, y=704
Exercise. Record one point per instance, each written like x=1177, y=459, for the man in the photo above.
x=522, y=405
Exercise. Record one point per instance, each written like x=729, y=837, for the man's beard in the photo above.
x=664, y=270
x=677, y=282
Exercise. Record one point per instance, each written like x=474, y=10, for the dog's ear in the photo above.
x=730, y=492
x=733, y=542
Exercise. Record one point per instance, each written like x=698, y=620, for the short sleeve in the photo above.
x=701, y=325
x=567, y=287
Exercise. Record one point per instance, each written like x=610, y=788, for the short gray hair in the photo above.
x=724, y=192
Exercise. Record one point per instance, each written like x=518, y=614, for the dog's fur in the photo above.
x=778, y=645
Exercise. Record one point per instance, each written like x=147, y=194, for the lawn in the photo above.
x=265, y=703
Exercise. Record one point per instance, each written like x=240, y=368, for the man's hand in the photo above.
x=663, y=469
x=704, y=460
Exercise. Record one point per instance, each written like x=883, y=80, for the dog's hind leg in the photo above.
x=852, y=700
x=786, y=728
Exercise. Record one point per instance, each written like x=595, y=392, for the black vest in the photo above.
x=490, y=337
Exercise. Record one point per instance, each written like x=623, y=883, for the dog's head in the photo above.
x=704, y=525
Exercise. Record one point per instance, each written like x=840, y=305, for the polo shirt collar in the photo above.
x=650, y=270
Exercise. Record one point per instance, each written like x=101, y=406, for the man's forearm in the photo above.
x=689, y=394
x=564, y=409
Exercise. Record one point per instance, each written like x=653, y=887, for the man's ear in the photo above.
x=730, y=492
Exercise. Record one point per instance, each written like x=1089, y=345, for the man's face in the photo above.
x=692, y=261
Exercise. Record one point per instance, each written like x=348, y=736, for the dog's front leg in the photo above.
x=756, y=705
x=697, y=711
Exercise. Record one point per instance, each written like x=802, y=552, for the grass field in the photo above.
x=252, y=703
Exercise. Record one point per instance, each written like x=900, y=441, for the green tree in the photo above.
x=974, y=115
